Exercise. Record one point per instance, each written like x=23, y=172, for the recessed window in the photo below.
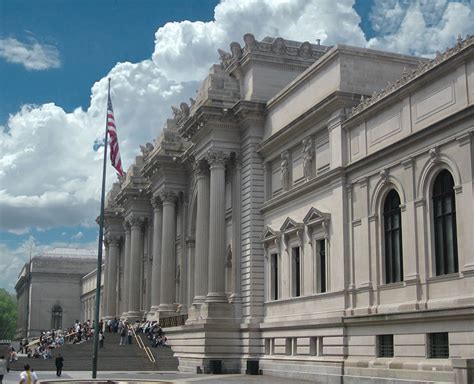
x=438, y=345
x=444, y=223
x=274, y=276
x=296, y=271
x=321, y=263
x=385, y=345
x=393, y=238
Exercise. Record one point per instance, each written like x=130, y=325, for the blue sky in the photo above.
x=55, y=56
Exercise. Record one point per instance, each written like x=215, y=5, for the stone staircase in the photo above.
x=113, y=357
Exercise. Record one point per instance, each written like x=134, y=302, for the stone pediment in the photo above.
x=315, y=216
x=269, y=234
x=290, y=226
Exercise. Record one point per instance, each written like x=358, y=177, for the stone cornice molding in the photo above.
x=409, y=76
x=291, y=228
x=314, y=219
x=270, y=238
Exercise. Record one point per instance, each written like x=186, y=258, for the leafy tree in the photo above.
x=8, y=314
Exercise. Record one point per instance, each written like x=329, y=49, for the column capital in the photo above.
x=168, y=197
x=216, y=158
x=200, y=168
x=126, y=225
x=113, y=240
x=156, y=202
x=136, y=222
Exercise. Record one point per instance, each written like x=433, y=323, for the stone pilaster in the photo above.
x=217, y=247
x=168, y=253
x=136, y=254
x=202, y=233
x=126, y=268
x=111, y=308
x=236, y=297
x=157, y=243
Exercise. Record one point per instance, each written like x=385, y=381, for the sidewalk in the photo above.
x=153, y=377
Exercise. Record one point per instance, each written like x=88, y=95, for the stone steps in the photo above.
x=113, y=357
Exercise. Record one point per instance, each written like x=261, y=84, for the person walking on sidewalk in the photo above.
x=123, y=335
x=59, y=365
x=28, y=376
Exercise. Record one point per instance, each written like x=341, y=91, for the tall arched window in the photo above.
x=56, y=317
x=444, y=223
x=393, y=238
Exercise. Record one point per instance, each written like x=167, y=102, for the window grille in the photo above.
x=385, y=346
x=438, y=345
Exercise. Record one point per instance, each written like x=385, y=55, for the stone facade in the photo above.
x=49, y=290
x=295, y=219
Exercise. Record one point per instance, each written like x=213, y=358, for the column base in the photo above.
x=216, y=311
x=134, y=315
x=167, y=308
x=213, y=297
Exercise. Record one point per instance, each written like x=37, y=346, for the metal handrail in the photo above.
x=140, y=343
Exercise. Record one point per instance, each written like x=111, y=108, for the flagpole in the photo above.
x=99, y=258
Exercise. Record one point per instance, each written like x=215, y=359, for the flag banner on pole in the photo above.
x=113, y=139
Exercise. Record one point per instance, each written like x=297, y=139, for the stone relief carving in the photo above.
x=383, y=175
x=285, y=170
x=305, y=50
x=278, y=46
x=184, y=109
x=236, y=50
x=167, y=196
x=250, y=42
x=411, y=74
x=200, y=168
x=137, y=221
x=155, y=202
x=228, y=263
x=308, y=153
x=215, y=157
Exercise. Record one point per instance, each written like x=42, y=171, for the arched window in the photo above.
x=56, y=317
x=444, y=223
x=393, y=238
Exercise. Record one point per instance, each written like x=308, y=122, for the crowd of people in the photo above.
x=152, y=331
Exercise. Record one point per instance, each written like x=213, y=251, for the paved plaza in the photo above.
x=151, y=377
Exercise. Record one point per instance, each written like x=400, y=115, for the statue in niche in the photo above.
x=285, y=170
x=308, y=152
x=228, y=263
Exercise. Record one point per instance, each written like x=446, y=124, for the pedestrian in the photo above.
x=129, y=334
x=101, y=339
x=59, y=365
x=3, y=368
x=28, y=376
x=123, y=334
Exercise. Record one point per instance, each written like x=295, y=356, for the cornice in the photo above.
x=409, y=80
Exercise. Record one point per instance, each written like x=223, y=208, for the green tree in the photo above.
x=8, y=314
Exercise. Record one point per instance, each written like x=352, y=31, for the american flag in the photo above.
x=113, y=139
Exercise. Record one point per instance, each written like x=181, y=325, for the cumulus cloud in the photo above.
x=79, y=235
x=420, y=27
x=50, y=168
x=33, y=56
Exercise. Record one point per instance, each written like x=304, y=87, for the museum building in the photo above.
x=309, y=214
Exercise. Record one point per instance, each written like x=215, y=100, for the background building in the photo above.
x=49, y=290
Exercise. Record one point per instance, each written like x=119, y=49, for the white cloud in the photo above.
x=79, y=235
x=420, y=27
x=33, y=56
x=49, y=172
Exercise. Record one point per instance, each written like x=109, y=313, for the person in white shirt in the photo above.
x=27, y=376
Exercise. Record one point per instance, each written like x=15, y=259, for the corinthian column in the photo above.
x=167, y=287
x=217, y=229
x=126, y=268
x=136, y=254
x=111, y=308
x=202, y=233
x=156, y=266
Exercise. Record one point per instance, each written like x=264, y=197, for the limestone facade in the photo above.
x=312, y=210
x=49, y=290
